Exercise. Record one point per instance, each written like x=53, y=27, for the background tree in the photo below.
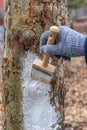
x=1, y=11
x=75, y=4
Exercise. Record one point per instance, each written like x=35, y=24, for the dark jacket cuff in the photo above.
x=86, y=50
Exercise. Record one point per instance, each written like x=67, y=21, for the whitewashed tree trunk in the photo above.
x=30, y=104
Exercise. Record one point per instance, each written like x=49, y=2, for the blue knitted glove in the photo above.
x=68, y=43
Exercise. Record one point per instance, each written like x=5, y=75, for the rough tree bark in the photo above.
x=25, y=20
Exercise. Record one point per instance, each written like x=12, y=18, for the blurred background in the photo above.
x=75, y=71
x=78, y=12
x=1, y=11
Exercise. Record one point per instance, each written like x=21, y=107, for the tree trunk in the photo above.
x=25, y=20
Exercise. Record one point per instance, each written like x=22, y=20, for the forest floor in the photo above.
x=76, y=82
x=76, y=97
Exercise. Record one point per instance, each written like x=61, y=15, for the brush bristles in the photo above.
x=42, y=77
x=41, y=73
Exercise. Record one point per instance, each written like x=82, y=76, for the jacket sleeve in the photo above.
x=86, y=50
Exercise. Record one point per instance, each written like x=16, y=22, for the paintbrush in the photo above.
x=42, y=70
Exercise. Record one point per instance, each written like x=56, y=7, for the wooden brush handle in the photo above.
x=51, y=40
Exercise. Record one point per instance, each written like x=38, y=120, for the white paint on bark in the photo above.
x=37, y=110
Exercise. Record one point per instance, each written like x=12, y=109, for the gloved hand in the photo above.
x=68, y=43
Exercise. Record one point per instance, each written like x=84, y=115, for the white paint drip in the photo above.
x=37, y=110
